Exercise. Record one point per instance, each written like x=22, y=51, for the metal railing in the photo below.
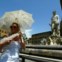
x=57, y=49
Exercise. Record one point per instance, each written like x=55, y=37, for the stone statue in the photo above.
x=55, y=38
x=55, y=24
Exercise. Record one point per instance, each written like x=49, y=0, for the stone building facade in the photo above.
x=36, y=38
x=2, y=33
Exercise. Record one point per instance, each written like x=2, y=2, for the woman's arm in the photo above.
x=18, y=37
x=5, y=41
x=3, y=44
x=22, y=42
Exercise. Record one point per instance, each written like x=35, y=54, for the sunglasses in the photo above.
x=13, y=27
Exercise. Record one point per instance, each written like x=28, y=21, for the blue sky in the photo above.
x=40, y=9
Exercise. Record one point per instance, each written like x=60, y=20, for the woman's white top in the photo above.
x=11, y=54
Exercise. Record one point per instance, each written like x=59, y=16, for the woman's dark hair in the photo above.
x=16, y=24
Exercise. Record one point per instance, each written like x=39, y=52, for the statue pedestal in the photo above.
x=54, y=40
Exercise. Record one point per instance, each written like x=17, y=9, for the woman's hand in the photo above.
x=16, y=38
x=20, y=34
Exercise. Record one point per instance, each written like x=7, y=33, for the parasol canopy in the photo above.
x=2, y=24
x=24, y=19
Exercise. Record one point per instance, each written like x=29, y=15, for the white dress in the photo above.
x=12, y=53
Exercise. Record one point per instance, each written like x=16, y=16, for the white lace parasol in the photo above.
x=21, y=17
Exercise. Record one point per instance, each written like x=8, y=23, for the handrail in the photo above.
x=52, y=47
x=38, y=58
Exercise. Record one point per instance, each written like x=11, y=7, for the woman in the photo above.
x=11, y=54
